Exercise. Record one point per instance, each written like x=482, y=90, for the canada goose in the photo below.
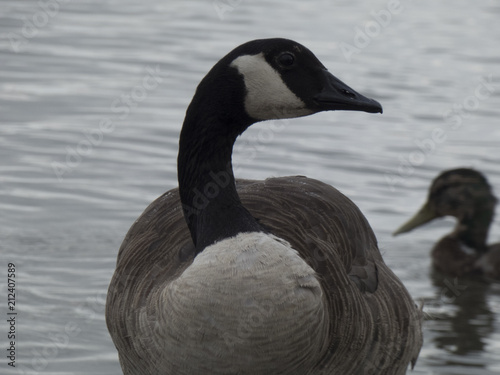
x=281, y=276
x=465, y=194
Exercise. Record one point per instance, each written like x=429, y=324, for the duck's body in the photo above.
x=489, y=264
x=451, y=256
x=281, y=276
x=466, y=195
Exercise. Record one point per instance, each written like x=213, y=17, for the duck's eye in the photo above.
x=286, y=59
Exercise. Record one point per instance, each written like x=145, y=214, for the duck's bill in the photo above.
x=424, y=215
x=336, y=95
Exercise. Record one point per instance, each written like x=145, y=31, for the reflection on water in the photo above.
x=465, y=330
x=460, y=322
x=86, y=144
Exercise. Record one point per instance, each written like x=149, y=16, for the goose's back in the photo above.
x=374, y=325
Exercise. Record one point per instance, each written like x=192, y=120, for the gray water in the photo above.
x=92, y=97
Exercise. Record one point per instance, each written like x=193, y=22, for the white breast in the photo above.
x=247, y=305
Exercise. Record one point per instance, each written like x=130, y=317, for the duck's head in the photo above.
x=271, y=79
x=462, y=193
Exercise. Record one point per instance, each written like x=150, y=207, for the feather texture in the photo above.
x=371, y=324
x=281, y=276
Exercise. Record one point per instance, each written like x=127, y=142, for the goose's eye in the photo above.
x=286, y=59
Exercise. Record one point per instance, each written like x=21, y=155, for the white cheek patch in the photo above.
x=267, y=95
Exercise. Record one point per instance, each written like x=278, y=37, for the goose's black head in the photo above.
x=271, y=79
x=462, y=193
x=259, y=80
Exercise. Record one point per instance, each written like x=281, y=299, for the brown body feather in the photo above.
x=373, y=326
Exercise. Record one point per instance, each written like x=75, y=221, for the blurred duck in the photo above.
x=465, y=194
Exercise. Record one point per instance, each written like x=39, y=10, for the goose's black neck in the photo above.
x=212, y=207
